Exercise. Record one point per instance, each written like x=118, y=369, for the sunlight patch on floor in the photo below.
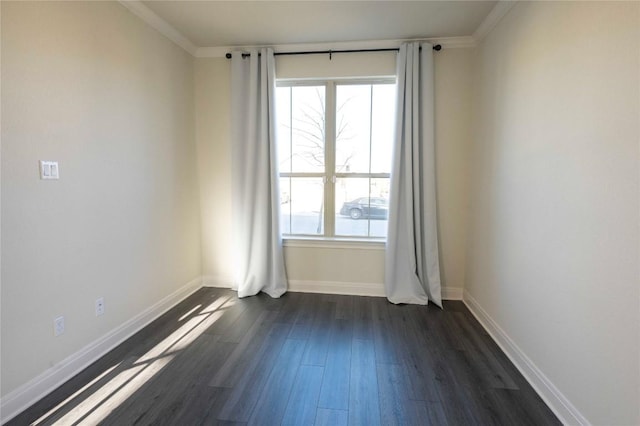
x=130, y=386
x=189, y=330
x=97, y=406
x=72, y=397
x=189, y=313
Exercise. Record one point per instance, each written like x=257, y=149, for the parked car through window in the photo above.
x=365, y=207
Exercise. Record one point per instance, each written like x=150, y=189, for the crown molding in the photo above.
x=214, y=52
x=150, y=17
x=446, y=42
x=464, y=42
x=497, y=13
x=138, y=8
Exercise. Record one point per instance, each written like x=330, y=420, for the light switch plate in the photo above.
x=49, y=170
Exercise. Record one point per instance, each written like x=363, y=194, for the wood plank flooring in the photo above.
x=303, y=359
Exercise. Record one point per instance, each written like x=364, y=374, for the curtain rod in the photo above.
x=436, y=47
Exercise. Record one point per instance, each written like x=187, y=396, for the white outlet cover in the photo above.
x=100, y=306
x=58, y=326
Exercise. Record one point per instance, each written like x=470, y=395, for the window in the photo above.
x=334, y=150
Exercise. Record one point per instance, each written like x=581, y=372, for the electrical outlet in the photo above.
x=99, y=306
x=58, y=326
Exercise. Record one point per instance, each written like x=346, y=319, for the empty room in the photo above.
x=320, y=212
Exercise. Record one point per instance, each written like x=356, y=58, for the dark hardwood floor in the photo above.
x=303, y=359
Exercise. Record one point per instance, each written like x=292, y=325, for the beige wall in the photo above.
x=213, y=105
x=93, y=87
x=352, y=265
x=553, y=243
x=453, y=69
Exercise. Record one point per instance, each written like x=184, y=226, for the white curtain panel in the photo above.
x=412, y=271
x=259, y=261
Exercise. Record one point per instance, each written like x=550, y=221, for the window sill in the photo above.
x=334, y=243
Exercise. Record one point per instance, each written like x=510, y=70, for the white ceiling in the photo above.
x=252, y=23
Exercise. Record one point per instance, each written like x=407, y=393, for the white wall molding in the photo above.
x=337, y=287
x=559, y=404
x=357, y=289
x=213, y=52
x=334, y=244
x=138, y=8
x=150, y=17
x=493, y=18
x=333, y=287
x=452, y=293
x=464, y=42
x=17, y=401
x=219, y=282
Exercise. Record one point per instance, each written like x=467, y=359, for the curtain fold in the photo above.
x=259, y=260
x=412, y=267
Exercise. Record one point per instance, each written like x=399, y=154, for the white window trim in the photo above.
x=330, y=240
x=303, y=241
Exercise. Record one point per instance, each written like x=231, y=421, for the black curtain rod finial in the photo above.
x=437, y=47
x=228, y=55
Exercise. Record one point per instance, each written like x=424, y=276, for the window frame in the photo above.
x=329, y=176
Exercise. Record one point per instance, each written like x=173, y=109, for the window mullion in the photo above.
x=370, y=149
x=330, y=159
x=290, y=153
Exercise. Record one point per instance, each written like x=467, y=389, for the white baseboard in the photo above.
x=333, y=287
x=357, y=289
x=300, y=286
x=26, y=395
x=219, y=282
x=451, y=293
x=559, y=404
x=336, y=287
